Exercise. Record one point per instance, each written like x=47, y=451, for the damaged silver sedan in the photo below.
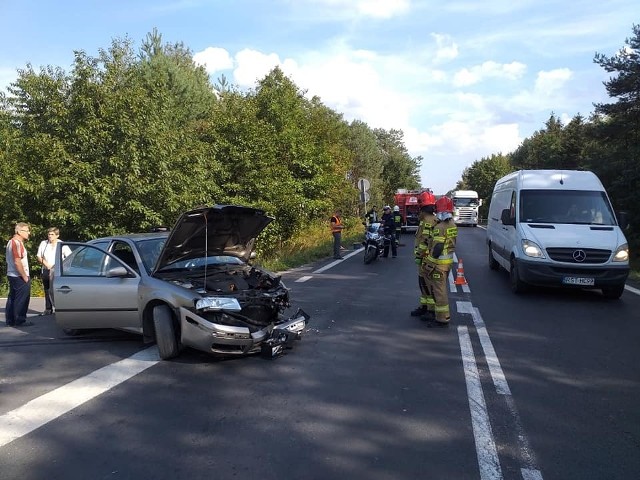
x=192, y=286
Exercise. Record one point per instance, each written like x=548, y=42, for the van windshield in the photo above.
x=565, y=206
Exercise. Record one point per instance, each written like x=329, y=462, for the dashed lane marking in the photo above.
x=527, y=456
x=485, y=445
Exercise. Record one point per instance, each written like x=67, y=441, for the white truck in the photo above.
x=466, y=204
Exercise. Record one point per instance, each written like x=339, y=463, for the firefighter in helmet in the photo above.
x=439, y=260
x=397, y=218
x=421, y=247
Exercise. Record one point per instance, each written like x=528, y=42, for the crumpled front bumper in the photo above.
x=201, y=334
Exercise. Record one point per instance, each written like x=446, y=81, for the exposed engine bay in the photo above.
x=261, y=295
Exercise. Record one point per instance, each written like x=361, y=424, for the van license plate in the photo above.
x=578, y=281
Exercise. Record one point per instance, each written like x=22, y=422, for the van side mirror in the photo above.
x=623, y=220
x=506, y=217
x=480, y=202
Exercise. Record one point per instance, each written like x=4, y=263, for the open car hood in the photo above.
x=218, y=230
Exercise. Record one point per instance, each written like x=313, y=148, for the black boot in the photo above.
x=428, y=315
x=421, y=310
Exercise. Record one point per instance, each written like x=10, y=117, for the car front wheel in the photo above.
x=517, y=285
x=165, y=332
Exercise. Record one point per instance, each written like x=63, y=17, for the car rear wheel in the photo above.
x=614, y=292
x=493, y=264
x=165, y=332
x=517, y=285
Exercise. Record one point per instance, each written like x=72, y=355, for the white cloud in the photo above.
x=382, y=8
x=252, y=66
x=447, y=49
x=547, y=83
x=213, y=59
x=379, y=9
x=489, y=69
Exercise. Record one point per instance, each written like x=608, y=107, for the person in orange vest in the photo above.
x=336, y=231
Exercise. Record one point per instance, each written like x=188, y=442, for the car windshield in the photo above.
x=149, y=251
x=565, y=206
x=200, y=262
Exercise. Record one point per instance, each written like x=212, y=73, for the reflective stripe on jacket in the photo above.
x=444, y=233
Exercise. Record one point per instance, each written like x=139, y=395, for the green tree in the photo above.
x=399, y=169
x=482, y=175
x=618, y=130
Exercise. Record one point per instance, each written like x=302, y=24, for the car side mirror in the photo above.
x=117, y=272
x=506, y=217
x=623, y=220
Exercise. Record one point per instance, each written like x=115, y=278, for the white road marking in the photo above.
x=333, y=264
x=527, y=455
x=632, y=290
x=304, y=279
x=48, y=407
x=530, y=474
x=485, y=445
x=499, y=380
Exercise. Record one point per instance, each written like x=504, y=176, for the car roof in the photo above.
x=133, y=236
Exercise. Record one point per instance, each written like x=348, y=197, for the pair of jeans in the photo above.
x=18, y=301
x=46, y=285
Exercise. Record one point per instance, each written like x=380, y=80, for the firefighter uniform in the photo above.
x=439, y=261
x=397, y=218
x=421, y=249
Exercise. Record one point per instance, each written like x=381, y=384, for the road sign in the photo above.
x=363, y=184
x=365, y=197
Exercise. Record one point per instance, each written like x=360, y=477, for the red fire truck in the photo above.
x=410, y=202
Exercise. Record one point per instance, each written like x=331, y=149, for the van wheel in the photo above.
x=493, y=264
x=517, y=285
x=614, y=292
x=165, y=332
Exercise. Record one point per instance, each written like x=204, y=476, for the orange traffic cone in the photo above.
x=460, y=280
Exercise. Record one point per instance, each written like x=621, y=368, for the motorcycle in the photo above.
x=376, y=243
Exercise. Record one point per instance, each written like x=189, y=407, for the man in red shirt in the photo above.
x=19, y=279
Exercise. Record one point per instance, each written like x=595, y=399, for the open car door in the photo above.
x=93, y=289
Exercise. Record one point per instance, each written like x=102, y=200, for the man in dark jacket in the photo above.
x=390, y=231
x=371, y=216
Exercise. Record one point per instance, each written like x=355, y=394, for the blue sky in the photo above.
x=462, y=79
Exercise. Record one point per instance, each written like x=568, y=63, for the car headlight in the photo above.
x=531, y=249
x=218, y=303
x=621, y=254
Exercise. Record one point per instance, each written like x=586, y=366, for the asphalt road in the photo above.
x=537, y=386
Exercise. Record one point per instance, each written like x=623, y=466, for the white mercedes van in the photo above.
x=556, y=228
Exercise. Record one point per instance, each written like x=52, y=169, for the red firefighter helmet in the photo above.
x=427, y=198
x=444, y=204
